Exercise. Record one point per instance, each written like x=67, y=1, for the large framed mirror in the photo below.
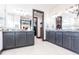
x=25, y=24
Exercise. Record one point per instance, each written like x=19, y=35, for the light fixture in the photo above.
x=74, y=10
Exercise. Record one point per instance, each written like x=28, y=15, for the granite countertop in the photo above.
x=65, y=30
x=15, y=30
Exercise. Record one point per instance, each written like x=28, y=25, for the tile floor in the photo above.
x=40, y=48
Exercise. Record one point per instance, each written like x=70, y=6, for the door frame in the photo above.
x=35, y=10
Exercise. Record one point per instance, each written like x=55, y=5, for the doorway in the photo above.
x=38, y=21
x=35, y=26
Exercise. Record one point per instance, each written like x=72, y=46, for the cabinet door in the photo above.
x=67, y=40
x=8, y=40
x=59, y=38
x=52, y=36
x=20, y=38
x=47, y=35
x=75, y=45
x=75, y=42
x=29, y=38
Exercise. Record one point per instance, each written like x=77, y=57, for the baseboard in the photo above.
x=19, y=47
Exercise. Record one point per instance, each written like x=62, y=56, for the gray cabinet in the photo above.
x=20, y=38
x=29, y=38
x=67, y=41
x=59, y=38
x=17, y=39
x=75, y=42
x=8, y=40
x=50, y=36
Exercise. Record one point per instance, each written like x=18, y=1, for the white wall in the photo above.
x=2, y=24
x=1, y=41
x=2, y=15
x=68, y=21
x=12, y=20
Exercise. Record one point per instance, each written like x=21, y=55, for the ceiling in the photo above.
x=47, y=8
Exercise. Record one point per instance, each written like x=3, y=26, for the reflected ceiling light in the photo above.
x=74, y=9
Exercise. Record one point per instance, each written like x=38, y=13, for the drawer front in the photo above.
x=20, y=38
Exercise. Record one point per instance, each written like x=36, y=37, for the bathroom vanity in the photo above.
x=13, y=39
x=65, y=39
